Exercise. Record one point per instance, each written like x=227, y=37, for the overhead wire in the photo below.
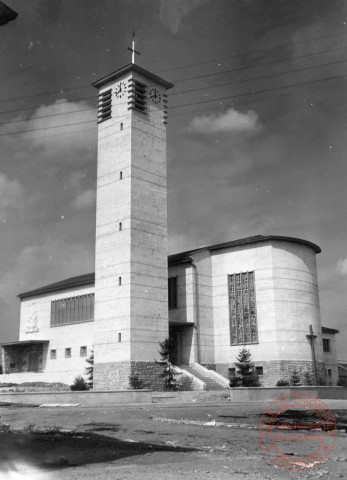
x=64, y=90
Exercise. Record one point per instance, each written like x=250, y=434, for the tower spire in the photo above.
x=132, y=49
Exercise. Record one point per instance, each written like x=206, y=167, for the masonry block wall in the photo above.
x=131, y=303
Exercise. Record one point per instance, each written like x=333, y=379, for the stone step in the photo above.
x=210, y=383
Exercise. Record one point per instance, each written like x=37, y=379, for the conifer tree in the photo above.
x=166, y=351
x=245, y=369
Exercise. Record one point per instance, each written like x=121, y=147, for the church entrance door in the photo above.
x=33, y=362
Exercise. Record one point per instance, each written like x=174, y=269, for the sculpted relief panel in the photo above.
x=32, y=320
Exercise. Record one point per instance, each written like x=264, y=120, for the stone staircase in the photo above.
x=211, y=379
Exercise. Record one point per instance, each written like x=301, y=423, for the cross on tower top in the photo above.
x=132, y=49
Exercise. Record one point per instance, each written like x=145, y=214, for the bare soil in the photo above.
x=148, y=442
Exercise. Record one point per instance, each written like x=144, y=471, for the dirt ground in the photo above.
x=157, y=441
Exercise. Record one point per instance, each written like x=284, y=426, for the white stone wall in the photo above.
x=135, y=144
x=286, y=299
x=61, y=337
x=330, y=359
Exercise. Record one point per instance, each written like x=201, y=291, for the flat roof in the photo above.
x=23, y=342
x=89, y=278
x=330, y=330
x=132, y=67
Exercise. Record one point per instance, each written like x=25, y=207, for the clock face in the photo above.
x=154, y=95
x=120, y=89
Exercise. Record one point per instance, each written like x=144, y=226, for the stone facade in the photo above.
x=280, y=370
x=115, y=376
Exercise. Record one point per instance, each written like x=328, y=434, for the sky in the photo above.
x=256, y=134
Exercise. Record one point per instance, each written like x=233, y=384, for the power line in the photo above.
x=261, y=77
x=254, y=92
x=51, y=92
x=185, y=91
x=254, y=52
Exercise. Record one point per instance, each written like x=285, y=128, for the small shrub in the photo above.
x=135, y=382
x=30, y=428
x=295, y=378
x=308, y=378
x=185, y=383
x=79, y=384
x=234, y=381
x=5, y=428
x=282, y=382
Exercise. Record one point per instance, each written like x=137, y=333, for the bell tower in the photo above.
x=131, y=298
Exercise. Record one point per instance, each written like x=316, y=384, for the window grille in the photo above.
x=71, y=310
x=172, y=287
x=137, y=96
x=242, y=309
x=105, y=106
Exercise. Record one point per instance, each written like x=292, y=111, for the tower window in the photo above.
x=119, y=337
x=105, y=106
x=120, y=226
x=121, y=126
x=242, y=309
x=119, y=280
x=120, y=175
x=137, y=96
x=172, y=287
x=326, y=345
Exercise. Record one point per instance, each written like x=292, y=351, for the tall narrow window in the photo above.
x=120, y=175
x=172, y=287
x=120, y=226
x=119, y=280
x=326, y=345
x=242, y=309
x=119, y=337
x=67, y=352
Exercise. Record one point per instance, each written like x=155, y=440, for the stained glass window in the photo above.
x=242, y=309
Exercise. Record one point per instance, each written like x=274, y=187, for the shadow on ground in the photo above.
x=60, y=450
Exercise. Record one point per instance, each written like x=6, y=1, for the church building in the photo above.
x=259, y=292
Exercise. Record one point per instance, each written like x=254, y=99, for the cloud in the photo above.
x=85, y=200
x=55, y=127
x=11, y=194
x=231, y=121
x=172, y=12
x=342, y=266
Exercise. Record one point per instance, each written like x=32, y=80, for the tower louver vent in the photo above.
x=137, y=99
x=105, y=106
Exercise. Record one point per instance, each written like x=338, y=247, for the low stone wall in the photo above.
x=88, y=398
x=279, y=369
x=259, y=394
